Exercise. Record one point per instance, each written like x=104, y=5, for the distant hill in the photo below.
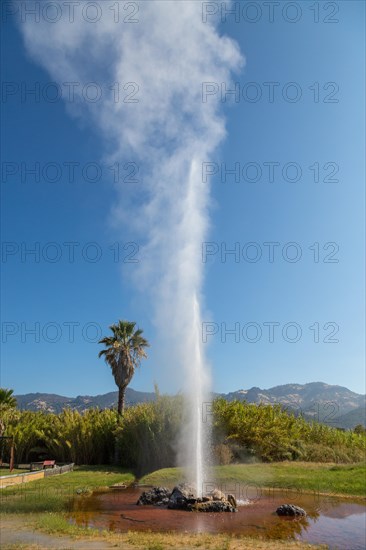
x=352, y=418
x=333, y=405
x=330, y=404
x=53, y=403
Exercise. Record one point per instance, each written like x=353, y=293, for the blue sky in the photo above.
x=324, y=289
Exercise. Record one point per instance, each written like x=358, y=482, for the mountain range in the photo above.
x=330, y=404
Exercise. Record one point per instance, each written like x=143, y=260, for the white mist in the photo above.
x=169, y=53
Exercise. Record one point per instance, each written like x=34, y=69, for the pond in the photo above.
x=338, y=522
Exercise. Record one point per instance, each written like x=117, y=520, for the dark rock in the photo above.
x=163, y=502
x=290, y=510
x=214, y=506
x=183, y=497
x=232, y=500
x=156, y=495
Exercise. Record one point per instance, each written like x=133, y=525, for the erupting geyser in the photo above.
x=155, y=82
x=199, y=390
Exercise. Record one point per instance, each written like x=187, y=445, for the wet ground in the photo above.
x=340, y=523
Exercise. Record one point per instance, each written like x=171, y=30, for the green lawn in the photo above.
x=338, y=479
x=51, y=494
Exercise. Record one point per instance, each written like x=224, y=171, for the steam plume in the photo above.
x=168, y=53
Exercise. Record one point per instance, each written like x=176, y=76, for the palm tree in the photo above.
x=123, y=353
x=7, y=399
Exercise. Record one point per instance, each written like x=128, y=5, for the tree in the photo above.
x=7, y=402
x=7, y=399
x=123, y=353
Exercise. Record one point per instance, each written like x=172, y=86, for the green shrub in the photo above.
x=272, y=434
x=83, y=438
x=223, y=454
x=146, y=438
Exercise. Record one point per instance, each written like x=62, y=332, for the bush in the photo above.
x=273, y=434
x=223, y=455
x=83, y=438
x=147, y=437
x=317, y=452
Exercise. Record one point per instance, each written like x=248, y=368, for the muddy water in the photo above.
x=339, y=523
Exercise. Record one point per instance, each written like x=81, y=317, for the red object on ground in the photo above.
x=49, y=464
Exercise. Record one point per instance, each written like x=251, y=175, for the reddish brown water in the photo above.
x=339, y=523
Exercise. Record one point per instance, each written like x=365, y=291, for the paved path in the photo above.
x=12, y=532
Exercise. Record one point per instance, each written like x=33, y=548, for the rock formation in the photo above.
x=183, y=497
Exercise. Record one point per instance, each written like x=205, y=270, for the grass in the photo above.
x=55, y=523
x=52, y=494
x=7, y=472
x=346, y=479
x=156, y=541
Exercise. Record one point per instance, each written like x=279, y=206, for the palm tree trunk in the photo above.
x=121, y=399
x=120, y=409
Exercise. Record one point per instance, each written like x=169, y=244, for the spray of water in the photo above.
x=198, y=404
x=168, y=53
